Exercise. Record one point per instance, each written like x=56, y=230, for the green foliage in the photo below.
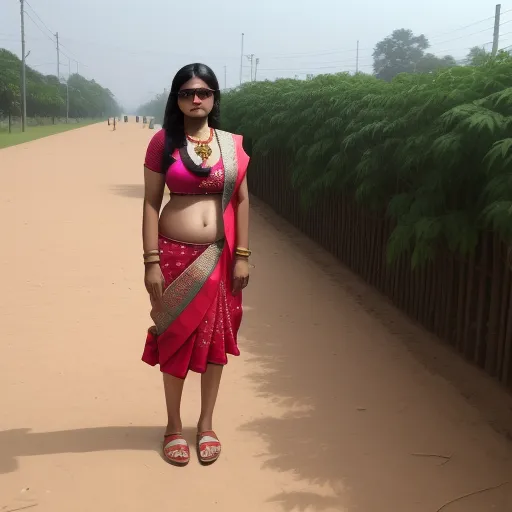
x=46, y=97
x=403, y=52
x=434, y=150
x=478, y=56
x=155, y=108
x=9, y=80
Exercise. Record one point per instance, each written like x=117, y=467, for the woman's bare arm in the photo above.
x=154, y=184
x=242, y=218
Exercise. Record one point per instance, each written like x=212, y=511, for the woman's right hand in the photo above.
x=154, y=281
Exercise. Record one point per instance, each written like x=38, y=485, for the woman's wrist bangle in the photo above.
x=154, y=258
x=243, y=252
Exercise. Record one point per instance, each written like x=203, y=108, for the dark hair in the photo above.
x=174, y=117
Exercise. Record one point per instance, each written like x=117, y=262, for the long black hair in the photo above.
x=174, y=117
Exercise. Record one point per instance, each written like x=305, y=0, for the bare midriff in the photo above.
x=194, y=219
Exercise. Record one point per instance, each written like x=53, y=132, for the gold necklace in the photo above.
x=202, y=149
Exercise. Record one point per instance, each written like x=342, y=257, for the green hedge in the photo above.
x=433, y=150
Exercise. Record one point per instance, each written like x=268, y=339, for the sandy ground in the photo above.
x=337, y=403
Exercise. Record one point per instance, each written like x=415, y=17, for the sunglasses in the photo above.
x=202, y=94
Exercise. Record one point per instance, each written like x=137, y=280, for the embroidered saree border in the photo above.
x=178, y=295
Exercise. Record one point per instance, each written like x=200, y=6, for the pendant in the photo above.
x=203, y=151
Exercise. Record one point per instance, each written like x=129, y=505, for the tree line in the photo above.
x=47, y=96
x=400, y=52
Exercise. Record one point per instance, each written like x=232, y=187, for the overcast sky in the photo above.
x=134, y=47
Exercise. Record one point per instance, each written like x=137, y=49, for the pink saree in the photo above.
x=198, y=320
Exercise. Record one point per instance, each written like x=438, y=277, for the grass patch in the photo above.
x=36, y=132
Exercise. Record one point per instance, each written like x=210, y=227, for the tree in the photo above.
x=403, y=52
x=430, y=63
x=398, y=53
x=9, y=88
x=47, y=96
x=478, y=56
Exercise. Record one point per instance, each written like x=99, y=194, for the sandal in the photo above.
x=208, y=447
x=176, y=450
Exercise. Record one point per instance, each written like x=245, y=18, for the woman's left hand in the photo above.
x=240, y=275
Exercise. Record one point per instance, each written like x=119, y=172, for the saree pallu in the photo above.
x=214, y=326
x=198, y=319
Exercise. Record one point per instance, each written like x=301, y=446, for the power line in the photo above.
x=44, y=64
x=312, y=54
x=39, y=18
x=312, y=68
x=467, y=26
x=332, y=52
x=39, y=28
x=337, y=62
x=448, y=51
x=461, y=28
x=467, y=35
x=50, y=37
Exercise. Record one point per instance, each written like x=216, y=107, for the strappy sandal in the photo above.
x=176, y=450
x=208, y=447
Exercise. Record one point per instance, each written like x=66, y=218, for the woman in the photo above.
x=196, y=253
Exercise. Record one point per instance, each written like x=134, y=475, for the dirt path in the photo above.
x=324, y=411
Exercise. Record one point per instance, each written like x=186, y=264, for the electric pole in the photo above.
x=242, y=59
x=357, y=58
x=256, y=69
x=67, y=91
x=23, y=70
x=58, y=56
x=251, y=58
x=496, y=38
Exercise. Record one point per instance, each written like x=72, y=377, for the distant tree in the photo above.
x=478, y=56
x=47, y=96
x=398, y=53
x=9, y=94
x=403, y=52
x=429, y=63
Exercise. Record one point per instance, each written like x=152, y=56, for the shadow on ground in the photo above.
x=18, y=443
x=355, y=410
x=362, y=457
x=307, y=443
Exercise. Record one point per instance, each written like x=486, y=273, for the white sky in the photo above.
x=135, y=47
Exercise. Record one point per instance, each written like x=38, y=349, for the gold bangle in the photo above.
x=152, y=259
x=241, y=251
x=151, y=253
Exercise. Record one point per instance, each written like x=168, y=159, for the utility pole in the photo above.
x=357, y=58
x=242, y=59
x=58, y=56
x=23, y=70
x=256, y=70
x=67, y=91
x=251, y=58
x=77, y=67
x=496, y=38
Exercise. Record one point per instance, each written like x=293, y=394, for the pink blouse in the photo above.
x=178, y=178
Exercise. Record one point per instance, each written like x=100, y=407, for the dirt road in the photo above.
x=326, y=410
